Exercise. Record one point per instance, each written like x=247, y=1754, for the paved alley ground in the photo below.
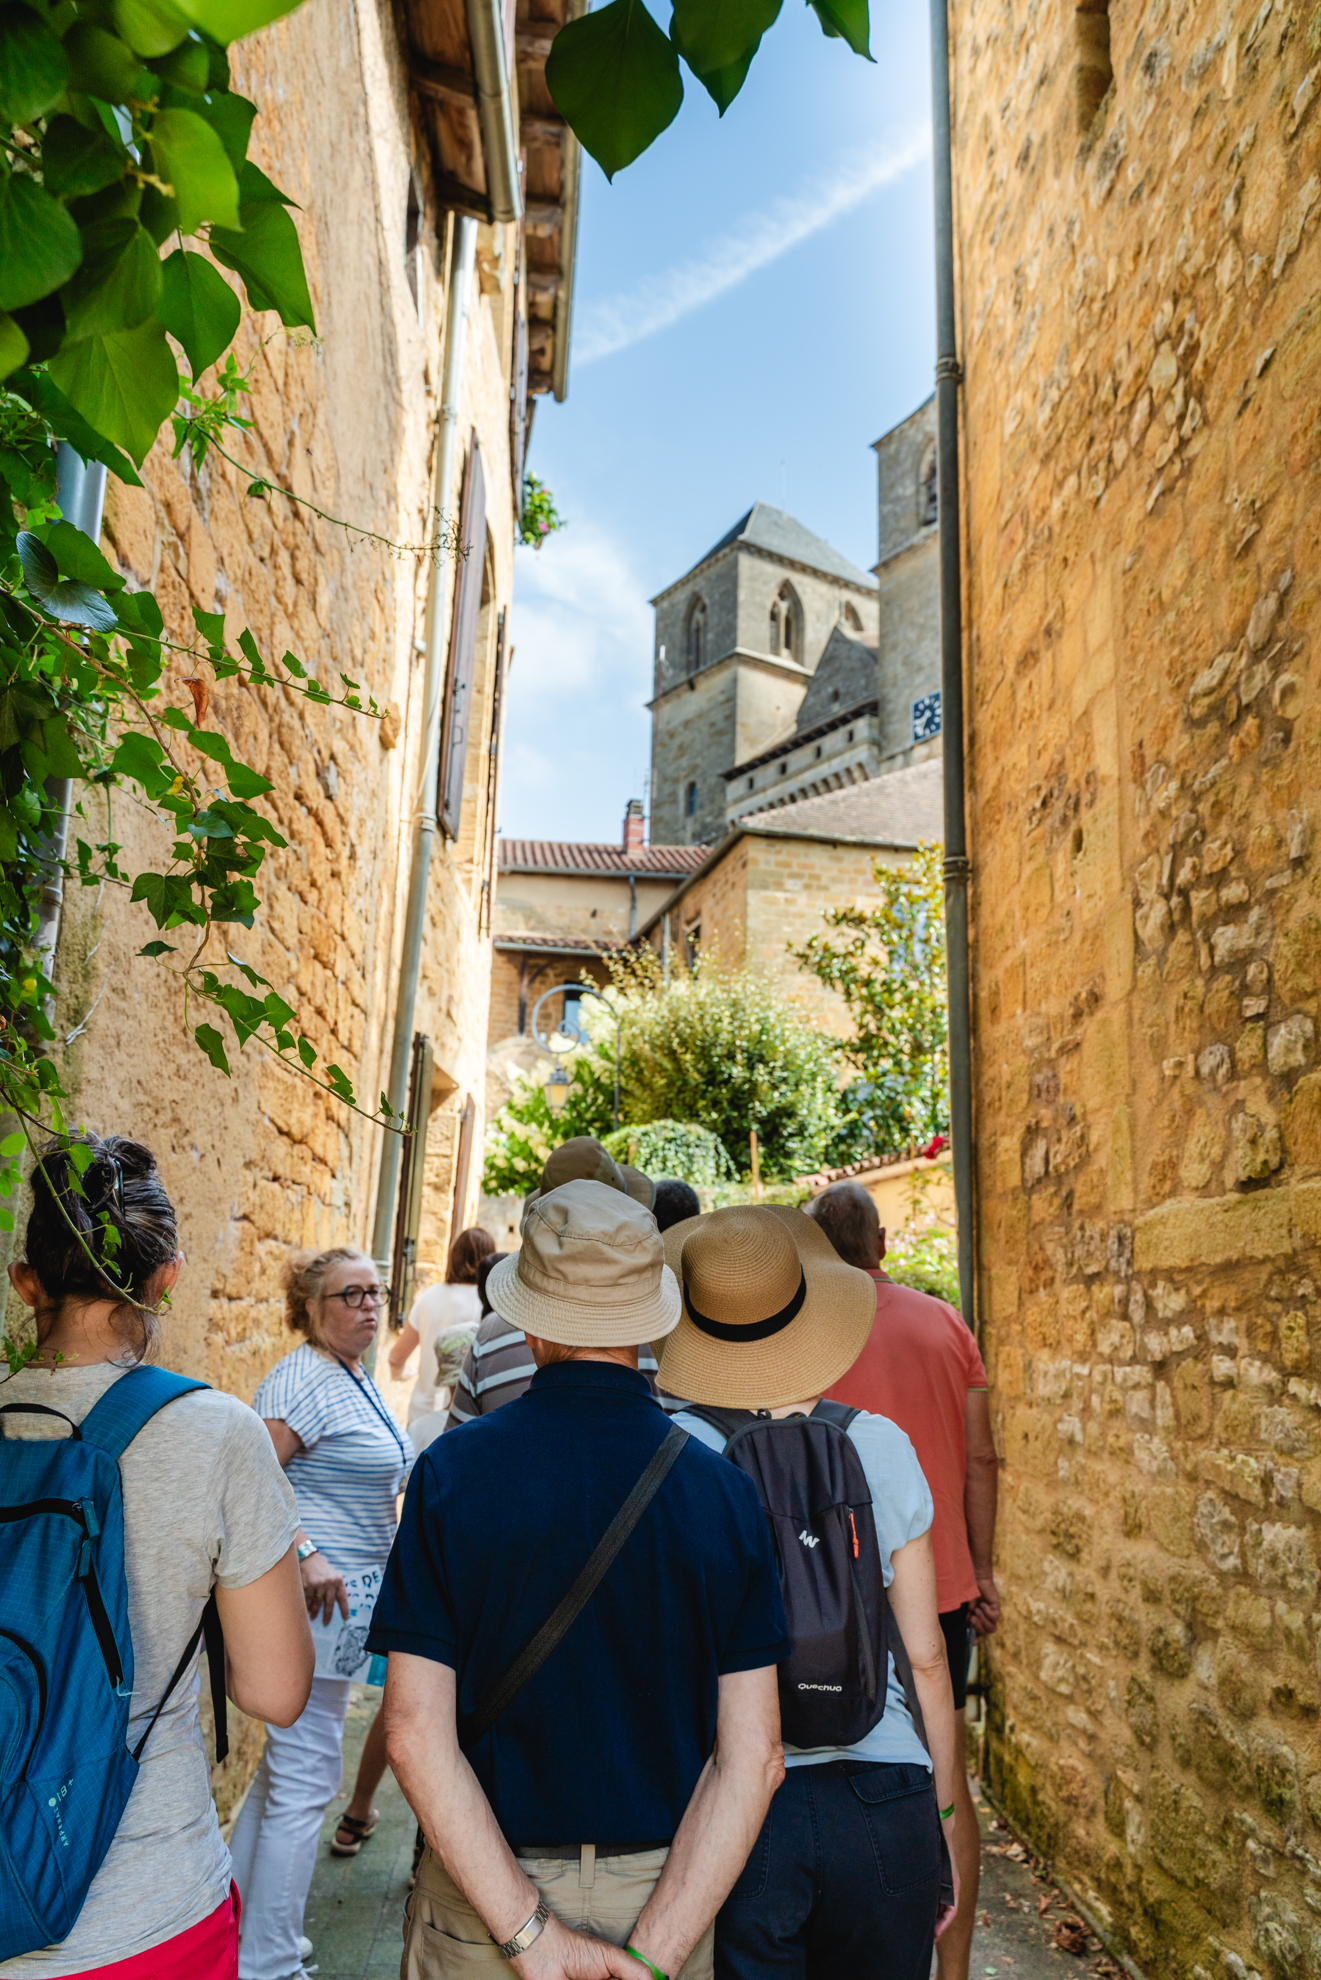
x=1025, y=1929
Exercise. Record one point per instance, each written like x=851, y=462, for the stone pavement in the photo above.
x=355, y=1910
x=1025, y=1929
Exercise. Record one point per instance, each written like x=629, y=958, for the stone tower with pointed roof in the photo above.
x=738, y=642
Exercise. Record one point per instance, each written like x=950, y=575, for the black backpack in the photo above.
x=815, y=1495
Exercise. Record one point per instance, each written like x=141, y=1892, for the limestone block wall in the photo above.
x=908, y=659
x=715, y=587
x=693, y=740
x=1141, y=331
x=264, y=1162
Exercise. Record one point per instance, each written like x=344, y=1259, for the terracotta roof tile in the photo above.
x=586, y=856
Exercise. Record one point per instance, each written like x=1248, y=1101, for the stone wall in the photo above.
x=1140, y=332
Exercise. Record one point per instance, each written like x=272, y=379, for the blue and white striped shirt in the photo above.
x=354, y=1463
x=498, y=1367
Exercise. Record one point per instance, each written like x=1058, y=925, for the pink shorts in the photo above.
x=208, y=1950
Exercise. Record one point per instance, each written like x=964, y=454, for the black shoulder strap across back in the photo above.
x=209, y=1627
x=534, y=1654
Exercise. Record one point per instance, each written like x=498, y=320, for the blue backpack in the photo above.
x=66, y=1657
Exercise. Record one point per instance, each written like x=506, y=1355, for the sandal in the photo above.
x=358, y=1833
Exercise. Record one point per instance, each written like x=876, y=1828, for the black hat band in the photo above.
x=760, y=1330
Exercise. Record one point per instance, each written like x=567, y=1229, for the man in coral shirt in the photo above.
x=922, y=1368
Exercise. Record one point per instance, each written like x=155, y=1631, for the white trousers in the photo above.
x=275, y=1838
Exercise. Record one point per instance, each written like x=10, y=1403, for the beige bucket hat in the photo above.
x=591, y=1271
x=771, y=1313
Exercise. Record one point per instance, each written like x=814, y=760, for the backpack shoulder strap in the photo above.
x=835, y=1412
x=726, y=1421
x=130, y=1403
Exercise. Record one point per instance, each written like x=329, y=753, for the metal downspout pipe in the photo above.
x=495, y=108
x=949, y=374
x=80, y=492
x=410, y=962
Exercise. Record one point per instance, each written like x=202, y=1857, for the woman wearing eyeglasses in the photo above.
x=347, y=1461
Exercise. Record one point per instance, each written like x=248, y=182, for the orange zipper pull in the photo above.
x=853, y=1529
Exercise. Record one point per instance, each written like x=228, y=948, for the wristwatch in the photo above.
x=307, y=1548
x=528, y=1934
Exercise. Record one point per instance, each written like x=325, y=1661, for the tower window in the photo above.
x=852, y=617
x=786, y=623
x=928, y=489
x=696, y=637
x=750, y=783
x=412, y=240
x=1093, y=71
x=690, y=801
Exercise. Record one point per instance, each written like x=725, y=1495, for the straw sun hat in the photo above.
x=771, y=1313
x=591, y=1271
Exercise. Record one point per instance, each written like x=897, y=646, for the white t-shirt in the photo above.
x=434, y=1313
x=205, y=1501
x=355, y=1459
x=903, y=1509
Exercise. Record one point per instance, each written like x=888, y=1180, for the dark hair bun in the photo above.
x=100, y=1228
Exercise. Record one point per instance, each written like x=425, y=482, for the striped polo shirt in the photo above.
x=498, y=1367
x=355, y=1460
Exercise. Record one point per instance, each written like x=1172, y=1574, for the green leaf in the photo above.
x=214, y=1046
x=307, y=1053
x=189, y=155
x=712, y=35
x=125, y=384
x=339, y=1080
x=230, y=117
x=139, y=612
x=75, y=160
x=34, y=69
x=13, y=1144
x=39, y=242
x=189, y=67
x=235, y=901
x=78, y=557
x=79, y=605
x=158, y=949
x=40, y=569
x=615, y=79
x=724, y=84
x=267, y=256
x=103, y=65
x=849, y=20
x=62, y=753
x=141, y=759
x=198, y=308
x=152, y=27
x=255, y=189
x=44, y=397
x=118, y=285
x=230, y=20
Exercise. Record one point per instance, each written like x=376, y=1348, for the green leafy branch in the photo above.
x=538, y=517
x=615, y=75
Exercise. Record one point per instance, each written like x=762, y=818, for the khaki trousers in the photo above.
x=444, y=1937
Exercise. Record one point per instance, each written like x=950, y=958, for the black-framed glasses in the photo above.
x=357, y=1296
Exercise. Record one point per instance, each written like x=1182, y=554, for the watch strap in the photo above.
x=527, y=1935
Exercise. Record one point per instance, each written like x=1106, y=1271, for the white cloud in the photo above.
x=577, y=734
x=665, y=299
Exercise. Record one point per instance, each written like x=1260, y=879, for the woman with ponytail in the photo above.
x=206, y=1508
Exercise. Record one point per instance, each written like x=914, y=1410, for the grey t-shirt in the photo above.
x=205, y=1501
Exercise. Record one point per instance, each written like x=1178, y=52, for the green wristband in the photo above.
x=945, y=1813
x=654, y=1971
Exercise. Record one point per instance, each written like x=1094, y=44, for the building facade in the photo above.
x=264, y=1163
x=1138, y=191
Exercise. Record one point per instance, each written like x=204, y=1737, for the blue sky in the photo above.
x=753, y=308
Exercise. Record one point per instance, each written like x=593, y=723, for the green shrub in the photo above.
x=925, y=1254
x=673, y=1148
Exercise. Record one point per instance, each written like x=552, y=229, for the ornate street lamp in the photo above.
x=560, y=1085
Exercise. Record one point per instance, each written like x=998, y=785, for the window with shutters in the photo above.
x=463, y=640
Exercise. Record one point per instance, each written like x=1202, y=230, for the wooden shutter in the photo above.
x=463, y=640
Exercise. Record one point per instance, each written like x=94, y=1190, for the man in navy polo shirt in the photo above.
x=598, y=1825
